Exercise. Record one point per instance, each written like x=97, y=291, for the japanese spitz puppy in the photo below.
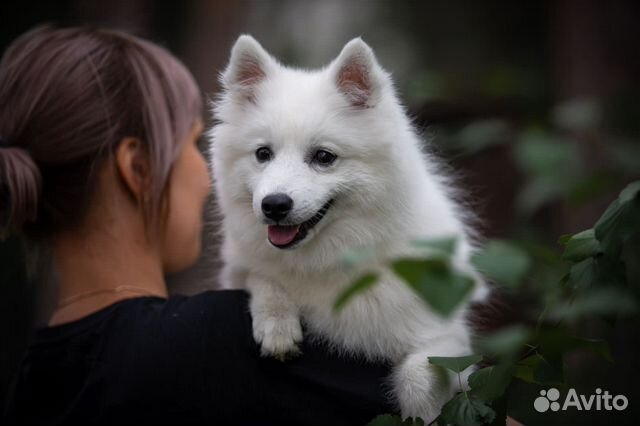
x=309, y=165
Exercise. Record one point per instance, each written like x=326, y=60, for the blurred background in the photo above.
x=533, y=103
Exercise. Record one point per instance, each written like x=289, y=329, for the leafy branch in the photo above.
x=592, y=283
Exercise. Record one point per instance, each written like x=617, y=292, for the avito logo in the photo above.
x=549, y=400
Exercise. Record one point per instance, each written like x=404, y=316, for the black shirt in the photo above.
x=186, y=360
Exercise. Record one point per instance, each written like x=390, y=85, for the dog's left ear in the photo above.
x=249, y=66
x=357, y=74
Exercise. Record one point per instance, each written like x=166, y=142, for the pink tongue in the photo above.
x=281, y=235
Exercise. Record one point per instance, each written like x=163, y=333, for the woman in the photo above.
x=98, y=159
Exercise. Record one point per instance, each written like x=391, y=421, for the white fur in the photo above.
x=387, y=192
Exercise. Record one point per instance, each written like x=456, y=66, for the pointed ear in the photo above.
x=249, y=65
x=357, y=74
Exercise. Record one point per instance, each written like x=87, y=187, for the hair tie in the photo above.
x=4, y=143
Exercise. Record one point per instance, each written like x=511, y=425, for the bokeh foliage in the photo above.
x=595, y=282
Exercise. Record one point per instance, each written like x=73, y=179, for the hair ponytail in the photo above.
x=20, y=184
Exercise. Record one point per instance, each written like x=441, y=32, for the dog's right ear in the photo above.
x=357, y=75
x=249, y=65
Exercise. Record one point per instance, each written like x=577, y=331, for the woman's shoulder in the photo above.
x=181, y=335
x=179, y=311
x=128, y=359
x=135, y=321
x=192, y=359
x=205, y=347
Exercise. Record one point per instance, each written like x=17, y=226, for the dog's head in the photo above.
x=307, y=151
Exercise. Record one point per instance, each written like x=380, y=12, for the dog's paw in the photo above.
x=278, y=337
x=421, y=389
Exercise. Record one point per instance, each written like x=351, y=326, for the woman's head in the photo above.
x=70, y=99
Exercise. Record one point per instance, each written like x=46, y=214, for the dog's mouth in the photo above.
x=286, y=236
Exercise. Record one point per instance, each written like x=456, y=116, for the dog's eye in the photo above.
x=324, y=158
x=264, y=154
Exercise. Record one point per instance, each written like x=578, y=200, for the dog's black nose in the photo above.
x=277, y=206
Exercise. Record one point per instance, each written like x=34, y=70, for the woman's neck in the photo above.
x=96, y=269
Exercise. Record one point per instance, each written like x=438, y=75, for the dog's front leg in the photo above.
x=420, y=388
x=276, y=319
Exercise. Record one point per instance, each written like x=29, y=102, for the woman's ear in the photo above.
x=132, y=164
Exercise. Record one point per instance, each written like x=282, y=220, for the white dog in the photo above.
x=310, y=164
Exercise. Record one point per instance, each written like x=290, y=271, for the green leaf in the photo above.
x=436, y=282
x=355, y=257
x=562, y=340
x=463, y=411
x=630, y=192
x=620, y=219
x=505, y=342
x=597, y=272
x=362, y=284
x=600, y=301
x=581, y=246
x=582, y=274
x=440, y=248
x=489, y=383
x=564, y=239
x=526, y=369
x=502, y=262
x=455, y=364
x=541, y=370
